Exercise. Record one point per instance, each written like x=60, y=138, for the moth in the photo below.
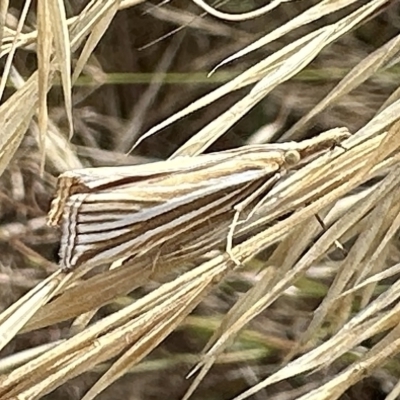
x=109, y=213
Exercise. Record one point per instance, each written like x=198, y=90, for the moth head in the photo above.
x=292, y=157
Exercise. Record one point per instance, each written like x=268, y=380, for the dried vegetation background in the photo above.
x=315, y=314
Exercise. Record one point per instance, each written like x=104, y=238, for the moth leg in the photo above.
x=337, y=242
x=155, y=260
x=240, y=207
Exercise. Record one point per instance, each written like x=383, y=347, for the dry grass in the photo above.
x=85, y=82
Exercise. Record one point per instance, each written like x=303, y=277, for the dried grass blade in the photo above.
x=315, y=252
x=351, y=264
x=250, y=76
x=285, y=256
x=184, y=285
x=8, y=64
x=12, y=362
x=107, y=15
x=379, y=254
x=270, y=65
x=152, y=339
x=14, y=318
x=102, y=288
x=62, y=49
x=103, y=347
x=359, y=74
x=376, y=357
x=365, y=325
x=325, y=7
x=16, y=114
x=322, y=355
x=3, y=13
x=44, y=50
x=289, y=67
